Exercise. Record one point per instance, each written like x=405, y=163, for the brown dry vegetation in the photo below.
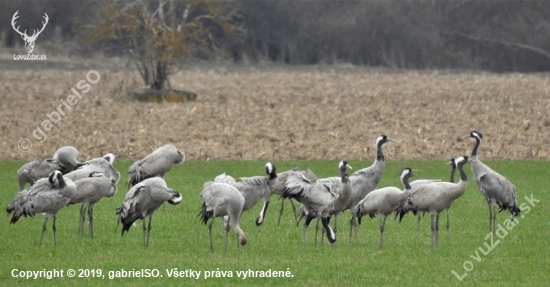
x=277, y=113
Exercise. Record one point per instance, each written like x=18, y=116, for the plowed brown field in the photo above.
x=277, y=113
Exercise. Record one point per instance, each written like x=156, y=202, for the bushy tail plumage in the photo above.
x=20, y=206
x=135, y=175
x=514, y=209
x=126, y=219
x=205, y=214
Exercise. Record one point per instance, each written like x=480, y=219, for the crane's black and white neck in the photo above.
x=270, y=170
x=452, y=162
x=343, y=166
x=382, y=139
x=406, y=173
x=460, y=162
x=478, y=136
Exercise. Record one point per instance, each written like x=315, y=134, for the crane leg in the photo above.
x=261, y=217
x=335, y=223
x=307, y=221
x=293, y=210
x=419, y=227
x=330, y=234
x=448, y=210
x=300, y=217
x=281, y=212
x=494, y=218
x=43, y=230
x=304, y=233
x=382, y=226
x=432, y=227
x=226, y=228
x=323, y=235
x=352, y=227
x=490, y=218
x=225, y=243
x=316, y=229
x=91, y=218
x=81, y=222
x=144, y=234
x=148, y=230
x=436, y=230
x=210, y=235
x=54, y=228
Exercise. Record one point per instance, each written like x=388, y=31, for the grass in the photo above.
x=178, y=240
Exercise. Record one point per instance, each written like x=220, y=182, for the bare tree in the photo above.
x=157, y=33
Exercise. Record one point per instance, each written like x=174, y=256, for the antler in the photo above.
x=35, y=34
x=15, y=16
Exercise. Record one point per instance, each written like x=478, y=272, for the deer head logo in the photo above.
x=29, y=40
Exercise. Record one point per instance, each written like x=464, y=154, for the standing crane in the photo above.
x=89, y=191
x=255, y=188
x=142, y=200
x=319, y=197
x=278, y=190
x=365, y=180
x=496, y=189
x=382, y=202
x=434, y=198
x=220, y=199
x=47, y=196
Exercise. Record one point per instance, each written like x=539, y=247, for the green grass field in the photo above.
x=178, y=240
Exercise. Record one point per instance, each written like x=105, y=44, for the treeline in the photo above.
x=490, y=35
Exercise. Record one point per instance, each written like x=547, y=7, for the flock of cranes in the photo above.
x=64, y=180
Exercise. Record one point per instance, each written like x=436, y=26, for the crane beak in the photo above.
x=449, y=162
x=349, y=166
x=465, y=137
x=392, y=140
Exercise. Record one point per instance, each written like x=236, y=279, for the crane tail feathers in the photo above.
x=205, y=214
x=19, y=209
x=513, y=209
x=295, y=193
x=402, y=210
x=126, y=220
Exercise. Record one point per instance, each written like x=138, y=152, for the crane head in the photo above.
x=382, y=139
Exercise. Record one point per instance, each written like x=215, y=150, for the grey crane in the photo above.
x=419, y=182
x=255, y=188
x=220, y=199
x=65, y=159
x=382, y=202
x=451, y=162
x=435, y=197
x=496, y=189
x=319, y=197
x=158, y=163
x=278, y=190
x=102, y=165
x=48, y=196
x=365, y=180
x=252, y=189
x=341, y=203
x=89, y=191
x=142, y=200
x=416, y=183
